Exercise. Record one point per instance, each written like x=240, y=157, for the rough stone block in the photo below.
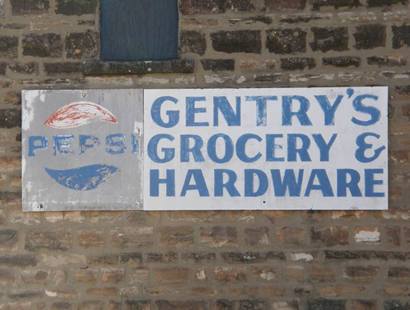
x=10, y=118
x=8, y=46
x=376, y=3
x=48, y=240
x=218, y=236
x=8, y=237
x=331, y=236
x=240, y=41
x=326, y=304
x=328, y=39
x=23, y=68
x=20, y=7
x=76, y=7
x=43, y=45
x=370, y=36
x=297, y=63
x=55, y=68
x=317, y=4
x=389, y=61
x=280, y=5
x=342, y=61
x=217, y=65
x=401, y=36
x=81, y=45
x=286, y=41
x=192, y=42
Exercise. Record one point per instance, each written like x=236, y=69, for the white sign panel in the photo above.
x=266, y=149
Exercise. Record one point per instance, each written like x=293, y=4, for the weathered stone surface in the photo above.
x=253, y=304
x=218, y=236
x=241, y=5
x=401, y=36
x=328, y=39
x=171, y=275
x=134, y=304
x=7, y=276
x=251, y=257
x=76, y=7
x=279, y=5
x=43, y=45
x=331, y=236
x=177, y=236
x=132, y=257
x=2, y=9
x=326, y=304
x=257, y=236
x=317, y=4
x=61, y=305
x=370, y=36
x=10, y=118
x=48, y=240
x=182, y=305
x=112, y=275
x=201, y=257
x=240, y=41
x=286, y=41
x=81, y=45
x=20, y=7
x=364, y=304
x=63, y=67
x=297, y=63
x=88, y=239
x=224, y=304
x=218, y=64
x=396, y=305
x=362, y=273
x=169, y=257
x=192, y=42
x=18, y=260
x=368, y=254
x=399, y=273
x=393, y=234
x=23, y=68
x=190, y=7
x=390, y=61
x=202, y=7
x=139, y=67
x=229, y=275
x=8, y=46
x=342, y=61
x=8, y=237
x=3, y=67
x=291, y=236
x=26, y=294
x=375, y=3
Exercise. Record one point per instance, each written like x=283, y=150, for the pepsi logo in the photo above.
x=74, y=144
x=77, y=114
x=82, y=178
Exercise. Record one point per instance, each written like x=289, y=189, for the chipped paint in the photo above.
x=296, y=257
x=367, y=236
x=78, y=114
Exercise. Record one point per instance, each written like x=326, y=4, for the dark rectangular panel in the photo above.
x=139, y=29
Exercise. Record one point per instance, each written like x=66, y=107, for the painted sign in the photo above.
x=266, y=149
x=82, y=149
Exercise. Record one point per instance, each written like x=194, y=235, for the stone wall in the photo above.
x=209, y=260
